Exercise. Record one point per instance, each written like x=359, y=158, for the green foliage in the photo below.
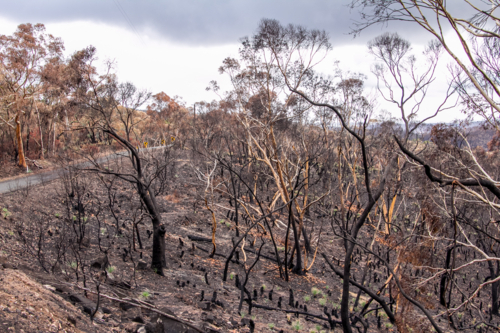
x=231, y=275
x=307, y=298
x=297, y=326
x=322, y=301
x=315, y=291
x=145, y=294
x=73, y=264
x=271, y=326
x=110, y=269
x=5, y=213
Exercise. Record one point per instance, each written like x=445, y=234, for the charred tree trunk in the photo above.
x=494, y=288
x=444, y=279
x=158, y=261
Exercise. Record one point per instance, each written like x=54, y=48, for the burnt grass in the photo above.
x=42, y=236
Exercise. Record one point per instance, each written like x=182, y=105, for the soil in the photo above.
x=54, y=299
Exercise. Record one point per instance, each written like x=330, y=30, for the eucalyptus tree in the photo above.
x=470, y=173
x=265, y=109
x=148, y=167
x=22, y=59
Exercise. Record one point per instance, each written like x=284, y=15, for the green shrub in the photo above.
x=5, y=213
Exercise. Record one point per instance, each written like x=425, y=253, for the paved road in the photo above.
x=23, y=182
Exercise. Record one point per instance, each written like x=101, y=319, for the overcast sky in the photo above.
x=177, y=46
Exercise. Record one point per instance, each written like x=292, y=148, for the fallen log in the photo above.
x=199, y=239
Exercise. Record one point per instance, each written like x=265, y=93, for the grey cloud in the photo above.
x=204, y=22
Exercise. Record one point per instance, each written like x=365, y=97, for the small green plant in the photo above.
x=74, y=218
x=322, y=301
x=10, y=232
x=103, y=231
x=145, y=294
x=271, y=326
x=85, y=219
x=297, y=326
x=307, y=298
x=5, y=213
x=327, y=287
x=222, y=221
x=388, y=325
x=278, y=288
x=263, y=287
x=110, y=269
x=155, y=270
x=231, y=275
x=73, y=264
x=242, y=314
x=281, y=248
x=315, y=291
x=57, y=215
x=228, y=224
x=318, y=328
